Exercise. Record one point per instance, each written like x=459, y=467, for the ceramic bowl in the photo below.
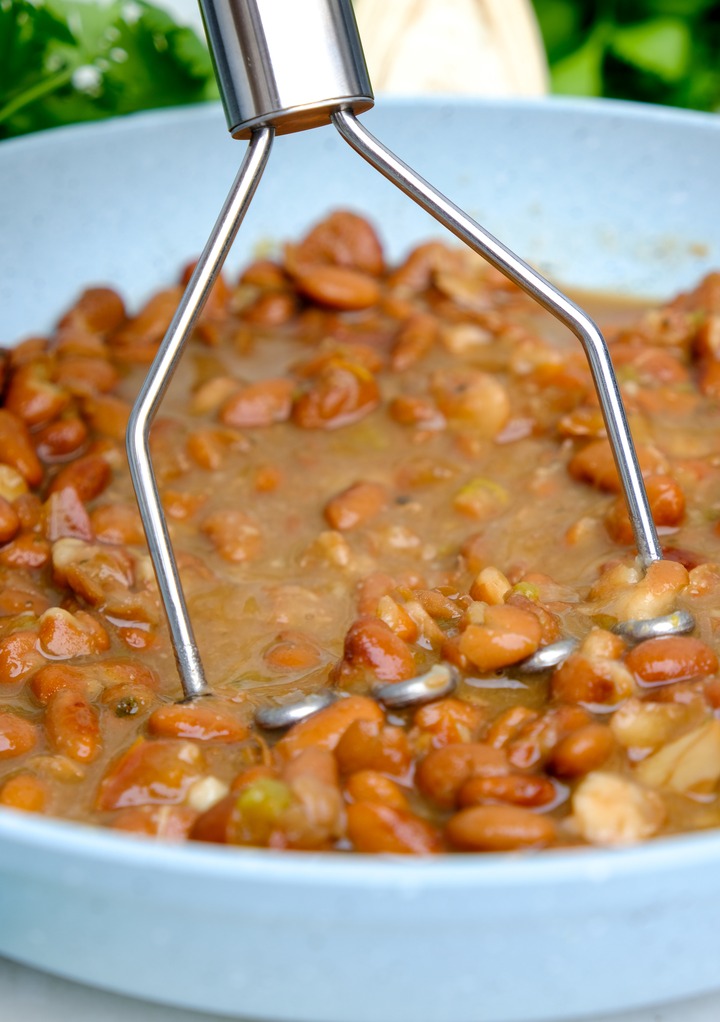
x=605, y=196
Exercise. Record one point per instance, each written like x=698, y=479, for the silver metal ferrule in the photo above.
x=286, y=64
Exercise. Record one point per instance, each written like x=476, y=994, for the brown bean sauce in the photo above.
x=367, y=470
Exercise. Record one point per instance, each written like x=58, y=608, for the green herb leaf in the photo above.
x=661, y=46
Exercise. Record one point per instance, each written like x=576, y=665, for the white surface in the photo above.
x=33, y=996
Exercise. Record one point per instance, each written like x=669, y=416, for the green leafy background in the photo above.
x=63, y=61
x=655, y=51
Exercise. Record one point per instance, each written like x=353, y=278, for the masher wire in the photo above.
x=266, y=79
x=151, y=394
x=543, y=292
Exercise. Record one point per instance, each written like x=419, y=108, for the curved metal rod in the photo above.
x=156, y=382
x=534, y=284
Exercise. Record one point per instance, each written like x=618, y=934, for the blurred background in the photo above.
x=66, y=61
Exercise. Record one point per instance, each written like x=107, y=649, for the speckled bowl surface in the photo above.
x=608, y=196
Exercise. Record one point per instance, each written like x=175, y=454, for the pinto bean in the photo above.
x=98, y=309
x=88, y=476
x=26, y=792
x=19, y=656
x=336, y=286
x=584, y=750
x=671, y=658
x=259, y=404
x=371, y=647
x=33, y=397
x=449, y=721
x=325, y=728
x=72, y=726
x=373, y=827
x=344, y=392
x=17, y=735
x=514, y=789
x=443, y=771
x=64, y=635
x=196, y=721
x=667, y=505
x=371, y=786
x=356, y=505
x=16, y=448
x=150, y=773
x=595, y=464
x=342, y=239
x=472, y=398
x=499, y=829
x=366, y=745
x=61, y=439
x=507, y=635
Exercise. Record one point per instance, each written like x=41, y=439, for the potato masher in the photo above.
x=285, y=66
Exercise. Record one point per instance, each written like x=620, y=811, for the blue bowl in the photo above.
x=608, y=196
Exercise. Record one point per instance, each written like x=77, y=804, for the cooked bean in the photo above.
x=515, y=789
x=72, y=726
x=449, y=721
x=325, y=728
x=64, y=635
x=336, y=286
x=582, y=751
x=443, y=771
x=259, y=404
x=17, y=735
x=341, y=394
x=197, y=721
x=26, y=792
x=355, y=505
x=19, y=656
x=506, y=636
x=667, y=505
x=150, y=773
x=371, y=786
x=16, y=448
x=671, y=658
x=499, y=829
x=372, y=648
x=88, y=476
x=366, y=745
x=373, y=827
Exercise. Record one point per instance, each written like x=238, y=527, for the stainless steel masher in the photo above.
x=284, y=66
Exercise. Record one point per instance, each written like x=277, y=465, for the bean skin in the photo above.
x=25, y=792
x=372, y=827
x=355, y=506
x=449, y=721
x=88, y=476
x=196, y=721
x=499, y=829
x=514, y=789
x=259, y=404
x=16, y=448
x=17, y=735
x=341, y=394
x=443, y=771
x=371, y=647
x=672, y=658
x=337, y=287
x=582, y=751
x=371, y=786
x=325, y=728
x=73, y=727
x=366, y=745
x=508, y=635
